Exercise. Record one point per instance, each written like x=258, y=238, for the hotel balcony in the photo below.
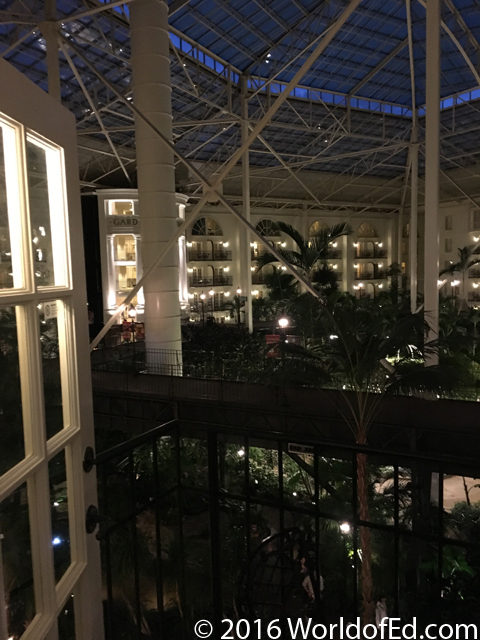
x=376, y=253
x=216, y=281
x=373, y=275
x=208, y=256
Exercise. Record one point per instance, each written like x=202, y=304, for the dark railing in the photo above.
x=473, y=296
x=334, y=254
x=376, y=253
x=371, y=275
x=202, y=522
x=474, y=273
x=258, y=278
x=225, y=281
x=206, y=256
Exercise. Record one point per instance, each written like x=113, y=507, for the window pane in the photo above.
x=6, y=274
x=59, y=507
x=66, y=621
x=124, y=248
x=121, y=208
x=52, y=387
x=16, y=555
x=45, y=182
x=11, y=421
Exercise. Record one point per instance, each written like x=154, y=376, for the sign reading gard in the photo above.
x=123, y=224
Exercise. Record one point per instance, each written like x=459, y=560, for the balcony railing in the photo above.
x=376, y=253
x=258, y=278
x=206, y=256
x=474, y=273
x=473, y=296
x=374, y=275
x=216, y=281
x=334, y=254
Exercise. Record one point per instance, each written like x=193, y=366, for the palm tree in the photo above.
x=465, y=262
x=235, y=307
x=365, y=355
x=311, y=256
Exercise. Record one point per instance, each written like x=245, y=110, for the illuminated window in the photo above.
x=267, y=228
x=206, y=227
x=121, y=208
x=367, y=230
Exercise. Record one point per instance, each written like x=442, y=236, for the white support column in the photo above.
x=413, y=228
x=432, y=169
x=155, y=169
x=246, y=210
x=49, y=30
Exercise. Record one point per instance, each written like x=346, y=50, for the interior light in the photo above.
x=42, y=230
x=283, y=244
x=227, y=293
x=345, y=527
x=202, y=296
x=283, y=322
x=239, y=291
x=241, y=452
x=355, y=266
x=380, y=244
x=476, y=238
x=35, y=240
x=355, y=244
x=226, y=269
x=211, y=292
x=334, y=244
x=380, y=286
x=252, y=268
x=333, y=337
x=56, y=504
x=56, y=541
x=225, y=244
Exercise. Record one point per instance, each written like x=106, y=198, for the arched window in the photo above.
x=206, y=227
x=367, y=230
x=316, y=227
x=267, y=228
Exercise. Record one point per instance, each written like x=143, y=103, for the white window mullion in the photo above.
x=41, y=543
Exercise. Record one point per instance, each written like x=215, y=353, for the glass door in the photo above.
x=49, y=568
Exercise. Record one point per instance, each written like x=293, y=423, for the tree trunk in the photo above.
x=368, y=605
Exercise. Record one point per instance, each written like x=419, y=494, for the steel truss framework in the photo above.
x=351, y=119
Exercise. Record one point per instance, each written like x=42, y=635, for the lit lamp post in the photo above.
x=212, y=293
x=132, y=312
x=283, y=324
x=345, y=529
x=202, y=299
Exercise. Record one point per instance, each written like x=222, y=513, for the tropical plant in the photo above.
x=311, y=256
x=463, y=264
x=365, y=355
x=236, y=307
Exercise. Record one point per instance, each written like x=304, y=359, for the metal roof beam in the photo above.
x=401, y=45
x=458, y=17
